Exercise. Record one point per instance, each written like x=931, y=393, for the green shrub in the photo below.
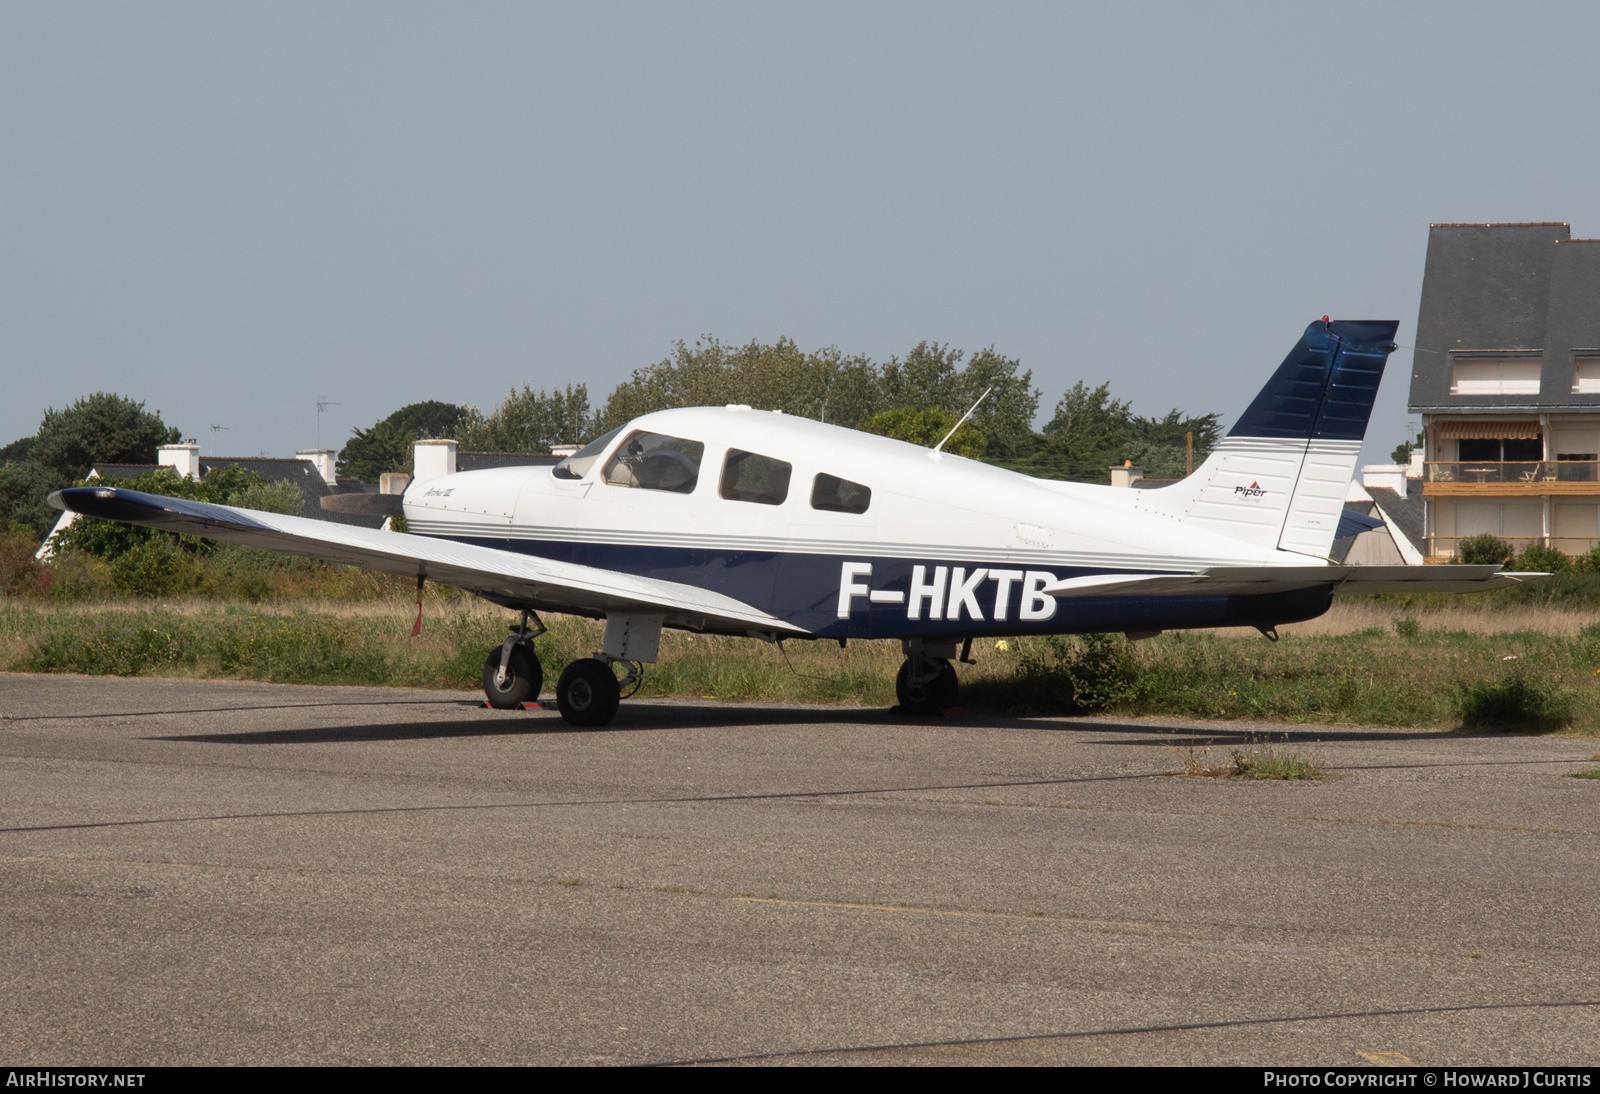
x=155, y=568
x=79, y=576
x=1588, y=563
x=303, y=649
x=1537, y=558
x=275, y=496
x=1084, y=673
x=20, y=573
x=116, y=645
x=1407, y=628
x=1514, y=703
x=1484, y=550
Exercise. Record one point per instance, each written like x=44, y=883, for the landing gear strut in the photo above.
x=926, y=684
x=512, y=675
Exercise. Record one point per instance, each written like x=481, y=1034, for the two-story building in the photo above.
x=1506, y=379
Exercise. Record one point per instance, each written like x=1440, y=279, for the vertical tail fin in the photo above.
x=1278, y=479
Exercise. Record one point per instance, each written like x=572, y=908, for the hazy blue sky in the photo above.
x=226, y=210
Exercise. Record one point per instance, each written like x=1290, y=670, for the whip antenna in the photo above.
x=964, y=417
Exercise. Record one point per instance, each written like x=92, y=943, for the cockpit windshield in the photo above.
x=655, y=461
x=577, y=465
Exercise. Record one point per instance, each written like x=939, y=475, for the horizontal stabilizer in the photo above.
x=1244, y=580
x=1351, y=523
x=498, y=575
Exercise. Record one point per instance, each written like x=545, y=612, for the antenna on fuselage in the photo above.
x=964, y=417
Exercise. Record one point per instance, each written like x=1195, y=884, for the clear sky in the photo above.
x=227, y=210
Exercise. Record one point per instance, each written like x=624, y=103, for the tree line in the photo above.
x=917, y=398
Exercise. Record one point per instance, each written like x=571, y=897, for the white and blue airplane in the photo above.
x=730, y=520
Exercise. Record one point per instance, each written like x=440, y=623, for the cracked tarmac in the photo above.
x=221, y=872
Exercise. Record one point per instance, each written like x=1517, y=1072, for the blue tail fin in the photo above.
x=1279, y=478
x=1326, y=386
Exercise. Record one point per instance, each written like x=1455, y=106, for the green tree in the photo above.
x=531, y=420
x=828, y=385
x=930, y=375
x=927, y=426
x=825, y=384
x=24, y=490
x=100, y=428
x=387, y=445
x=1091, y=431
x=18, y=450
x=1402, y=454
x=429, y=419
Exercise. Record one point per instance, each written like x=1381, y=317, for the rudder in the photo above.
x=1278, y=479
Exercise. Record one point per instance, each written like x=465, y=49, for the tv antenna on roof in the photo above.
x=322, y=408
x=215, y=428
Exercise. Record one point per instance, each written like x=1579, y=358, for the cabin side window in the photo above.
x=838, y=495
x=577, y=465
x=655, y=461
x=750, y=476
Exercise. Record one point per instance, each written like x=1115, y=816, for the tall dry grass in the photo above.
x=1364, y=663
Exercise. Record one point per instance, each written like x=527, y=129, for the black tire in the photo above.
x=588, y=694
x=524, y=679
x=930, y=697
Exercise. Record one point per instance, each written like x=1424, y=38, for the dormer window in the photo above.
x=1586, y=376
x=1496, y=376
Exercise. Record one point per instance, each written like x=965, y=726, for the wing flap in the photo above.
x=485, y=570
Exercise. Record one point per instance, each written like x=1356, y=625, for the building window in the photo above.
x=1482, y=376
x=1495, y=451
x=1586, y=376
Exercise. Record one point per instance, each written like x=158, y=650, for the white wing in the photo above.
x=498, y=575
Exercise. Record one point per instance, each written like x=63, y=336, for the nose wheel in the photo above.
x=518, y=681
x=926, y=685
x=512, y=674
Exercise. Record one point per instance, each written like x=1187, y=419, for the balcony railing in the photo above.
x=1531, y=473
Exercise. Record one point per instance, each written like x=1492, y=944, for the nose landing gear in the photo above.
x=512, y=675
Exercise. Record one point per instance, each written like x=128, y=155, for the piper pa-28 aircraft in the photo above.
x=736, y=521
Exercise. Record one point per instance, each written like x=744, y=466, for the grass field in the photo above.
x=1510, y=667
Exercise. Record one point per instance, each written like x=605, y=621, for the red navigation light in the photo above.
x=1324, y=318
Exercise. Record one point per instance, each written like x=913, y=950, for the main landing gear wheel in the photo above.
x=520, y=683
x=926, y=686
x=588, y=693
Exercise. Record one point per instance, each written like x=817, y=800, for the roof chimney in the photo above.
x=1126, y=475
x=324, y=460
x=183, y=458
x=430, y=459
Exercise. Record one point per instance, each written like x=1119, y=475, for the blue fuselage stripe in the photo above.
x=804, y=590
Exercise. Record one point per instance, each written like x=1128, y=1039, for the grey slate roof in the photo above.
x=125, y=470
x=303, y=473
x=480, y=461
x=1404, y=513
x=1526, y=290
